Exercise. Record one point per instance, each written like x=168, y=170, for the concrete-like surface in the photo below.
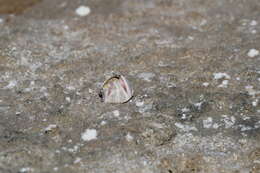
x=194, y=66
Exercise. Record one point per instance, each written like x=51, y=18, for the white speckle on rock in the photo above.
x=244, y=128
x=27, y=169
x=205, y=84
x=255, y=102
x=129, y=137
x=229, y=121
x=223, y=84
x=184, y=116
x=77, y=160
x=146, y=76
x=103, y=123
x=185, y=109
x=66, y=27
x=253, y=23
x=145, y=108
x=139, y=103
x=185, y=128
x=221, y=75
x=70, y=88
x=68, y=99
x=90, y=91
x=50, y=127
x=55, y=168
x=89, y=134
x=116, y=113
x=83, y=11
x=11, y=84
x=251, y=91
x=1, y=20
x=215, y=126
x=190, y=37
x=207, y=123
x=257, y=125
x=252, y=53
x=198, y=105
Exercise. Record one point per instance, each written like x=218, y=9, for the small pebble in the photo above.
x=205, y=84
x=223, y=84
x=252, y=53
x=82, y=11
x=207, y=123
x=89, y=134
x=139, y=103
x=116, y=113
x=50, y=127
x=103, y=123
x=68, y=99
x=253, y=23
x=147, y=76
x=77, y=160
x=129, y=137
x=221, y=75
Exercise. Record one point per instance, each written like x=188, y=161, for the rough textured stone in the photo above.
x=196, y=91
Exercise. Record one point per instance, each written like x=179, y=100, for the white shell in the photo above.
x=116, y=90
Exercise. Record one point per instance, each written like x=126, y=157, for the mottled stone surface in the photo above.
x=196, y=86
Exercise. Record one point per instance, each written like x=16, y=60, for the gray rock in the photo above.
x=196, y=101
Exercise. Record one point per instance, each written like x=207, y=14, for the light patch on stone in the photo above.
x=253, y=23
x=255, y=102
x=215, y=126
x=1, y=20
x=185, y=128
x=190, y=37
x=50, y=127
x=83, y=11
x=205, y=84
x=244, y=128
x=70, y=87
x=77, y=160
x=251, y=91
x=90, y=91
x=68, y=99
x=198, y=105
x=11, y=84
x=89, y=134
x=103, y=123
x=229, y=121
x=221, y=75
x=224, y=84
x=147, y=76
x=185, y=109
x=253, y=53
x=139, y=103
x=207, y=123
x=74, y=149
x=257, y=125
x=253, y=31
x=116, y=113
x=129, y=137
x=26, y=169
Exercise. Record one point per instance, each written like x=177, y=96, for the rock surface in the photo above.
x=185, y=117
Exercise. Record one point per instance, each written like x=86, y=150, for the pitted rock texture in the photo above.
x=196, y=86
